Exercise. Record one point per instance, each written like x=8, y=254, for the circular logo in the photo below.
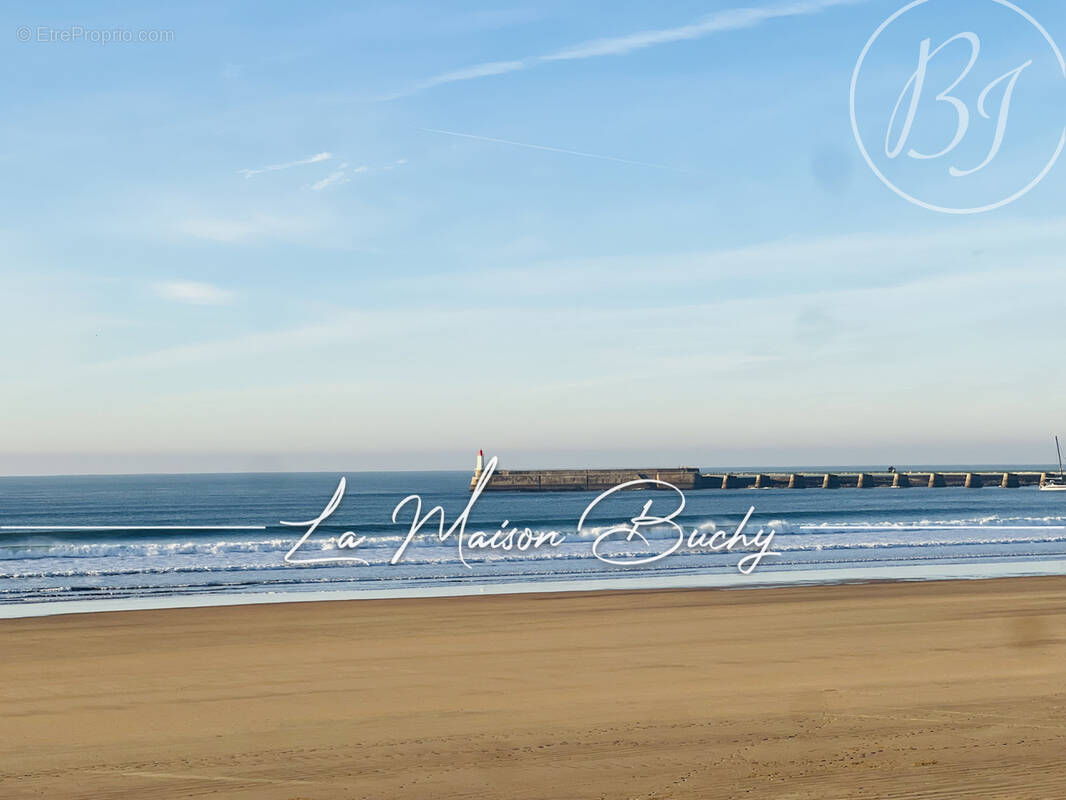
x=960, y=106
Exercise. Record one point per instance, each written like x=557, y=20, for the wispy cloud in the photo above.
x=344, y=173
x=194, y=293
x=763, y=270
x=316, y=158
x=732, y=19
x=554, y=149
x=340, y=176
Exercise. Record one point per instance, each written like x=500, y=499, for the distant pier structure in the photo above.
x=686, y=478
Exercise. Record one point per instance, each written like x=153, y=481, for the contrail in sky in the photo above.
x=723, y=21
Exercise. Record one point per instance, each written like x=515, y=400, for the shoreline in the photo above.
x=923, y=573
x=916, y=689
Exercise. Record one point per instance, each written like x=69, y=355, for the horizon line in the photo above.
x=714, y=470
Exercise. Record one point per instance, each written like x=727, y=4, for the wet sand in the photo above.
x=931, y=690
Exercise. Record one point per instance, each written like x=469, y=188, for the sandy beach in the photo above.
x=952, y=689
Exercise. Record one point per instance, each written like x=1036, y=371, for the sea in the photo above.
x=90, y=543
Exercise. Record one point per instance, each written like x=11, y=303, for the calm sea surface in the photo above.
x=160, y=542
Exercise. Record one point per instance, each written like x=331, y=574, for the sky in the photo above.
x=383, y=235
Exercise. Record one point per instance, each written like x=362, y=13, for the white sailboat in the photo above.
x=1056, y=484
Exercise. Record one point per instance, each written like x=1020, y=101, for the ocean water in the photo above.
x=161, y=537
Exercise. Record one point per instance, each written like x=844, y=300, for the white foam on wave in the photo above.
x=992, y=521
x=769, y=578
x=126, y=528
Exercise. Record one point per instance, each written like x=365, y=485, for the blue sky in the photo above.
x=262, y=245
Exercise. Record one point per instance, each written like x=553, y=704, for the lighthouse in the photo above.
x=479, y=465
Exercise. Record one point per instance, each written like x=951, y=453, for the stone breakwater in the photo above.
x=686, y=478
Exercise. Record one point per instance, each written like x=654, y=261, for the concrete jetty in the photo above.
x=688, y=478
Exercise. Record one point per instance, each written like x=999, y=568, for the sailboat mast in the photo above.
x=1059, y=451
